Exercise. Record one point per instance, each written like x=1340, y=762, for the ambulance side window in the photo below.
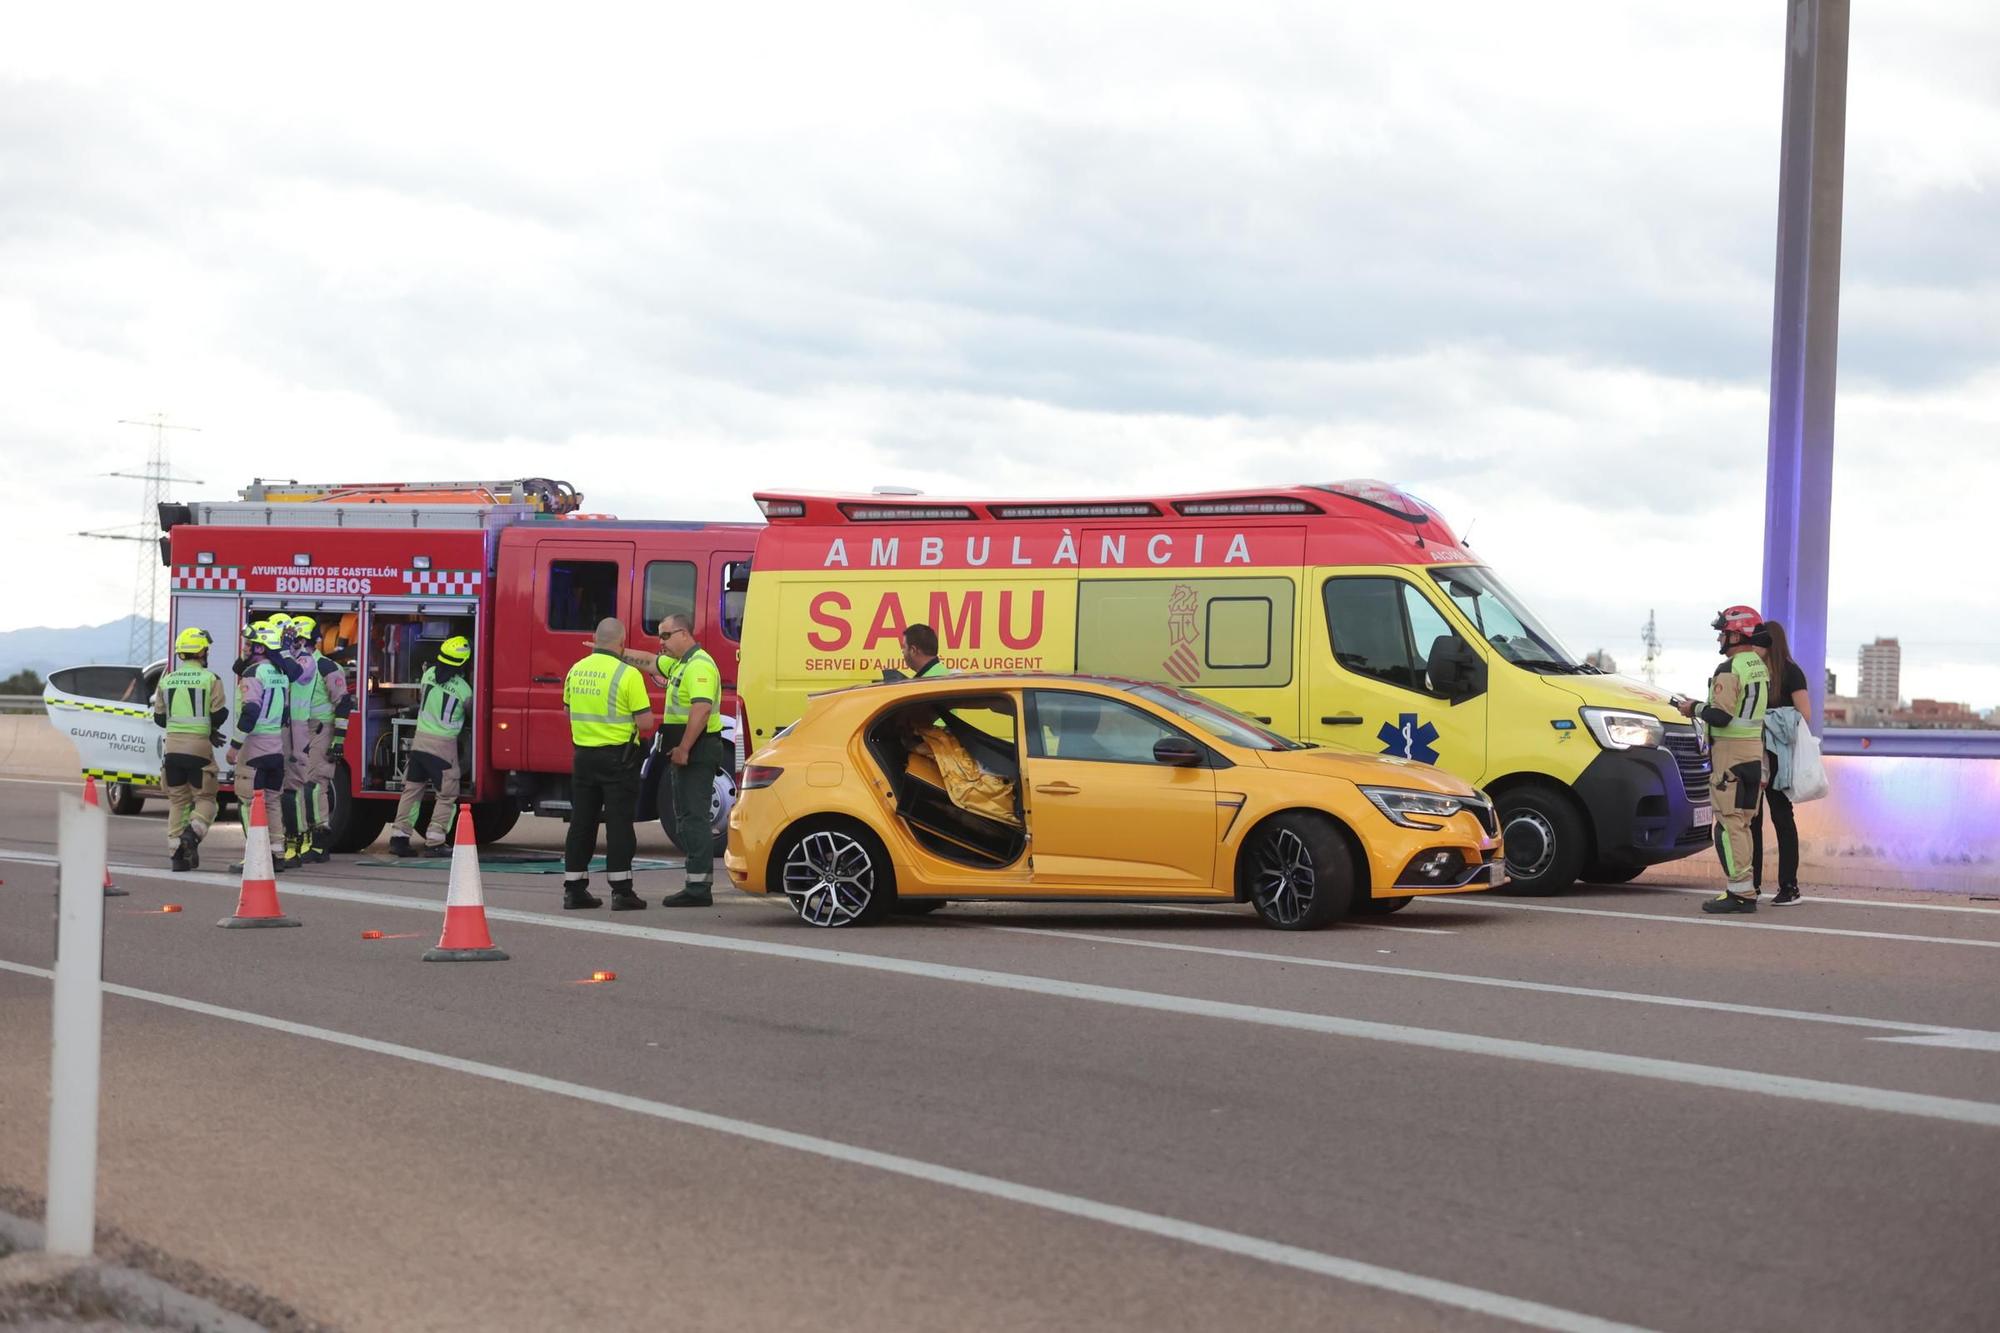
x=735, y=595
x=669, y=591
x=581, y=593
x=1369, y=620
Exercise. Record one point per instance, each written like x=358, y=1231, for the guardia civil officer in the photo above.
x=608, y=709
x=1738, y=694
x=920, y=650
x=693, y=724
x=443, y=704
x=189, y=705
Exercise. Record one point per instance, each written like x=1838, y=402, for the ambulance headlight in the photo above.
x=1617, y=729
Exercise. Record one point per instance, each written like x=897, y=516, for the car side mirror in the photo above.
x=1178, y=751
x=1456, y=671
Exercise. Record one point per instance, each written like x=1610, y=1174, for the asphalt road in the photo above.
x=1481, y=1113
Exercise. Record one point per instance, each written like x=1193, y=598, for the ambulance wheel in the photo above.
x=493, y=820
x=1546, y=839
x=719, y=806
x=120, y=799
x=353, y=824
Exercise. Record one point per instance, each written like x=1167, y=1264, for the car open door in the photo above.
x=107, y=712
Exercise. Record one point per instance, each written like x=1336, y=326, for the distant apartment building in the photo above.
x=1882, y=673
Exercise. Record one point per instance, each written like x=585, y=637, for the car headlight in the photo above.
x=1617, y=729
x=1398, y=804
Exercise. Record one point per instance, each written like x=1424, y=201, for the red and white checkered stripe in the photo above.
x=207, y=578
x=443, y=582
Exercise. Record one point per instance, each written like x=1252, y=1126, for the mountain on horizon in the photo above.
x=43, y=649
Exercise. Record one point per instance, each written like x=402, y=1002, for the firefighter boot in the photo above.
x=316, y=842
x=291, y=860
x=183, y=858
x=399, y=845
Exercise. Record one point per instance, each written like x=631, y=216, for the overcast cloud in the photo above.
x=1518, y=258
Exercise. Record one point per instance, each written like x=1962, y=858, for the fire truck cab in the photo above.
x=390, y=571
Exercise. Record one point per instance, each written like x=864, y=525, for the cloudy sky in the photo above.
x=1516, y=257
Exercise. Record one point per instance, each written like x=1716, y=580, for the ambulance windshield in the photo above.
x=1504, y=622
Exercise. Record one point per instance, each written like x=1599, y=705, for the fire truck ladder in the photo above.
x=538, y=494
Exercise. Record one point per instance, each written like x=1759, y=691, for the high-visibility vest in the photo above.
x=309, y=697
x=936, y=668
x=603, y=696
x=1753, y=693
x=187, y=689
x=443, y=707
x=695, y=675
x=271, y=713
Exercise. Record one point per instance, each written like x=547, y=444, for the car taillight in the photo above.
x=759, y=775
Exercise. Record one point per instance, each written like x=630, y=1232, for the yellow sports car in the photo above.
x=1037, y=788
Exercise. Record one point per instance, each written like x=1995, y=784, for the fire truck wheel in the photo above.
x=354, y=824
x=493, y=820
x=719, y=806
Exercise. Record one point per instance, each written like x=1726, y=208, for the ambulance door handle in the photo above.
x=548, y=680
x=1341, y=720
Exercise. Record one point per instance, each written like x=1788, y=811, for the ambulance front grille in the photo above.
x=1691, y=757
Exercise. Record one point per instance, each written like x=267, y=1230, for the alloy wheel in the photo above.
x=829, y=878
x=1285, y=883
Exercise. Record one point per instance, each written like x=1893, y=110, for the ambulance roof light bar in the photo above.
x=905, y=513
x=1272, y=505
x=1124, y=509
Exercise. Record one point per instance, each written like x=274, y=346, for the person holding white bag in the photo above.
x=1788, y=720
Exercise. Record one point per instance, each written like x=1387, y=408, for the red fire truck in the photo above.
x=391, y=570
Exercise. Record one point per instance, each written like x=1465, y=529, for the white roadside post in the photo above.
x=83, y=833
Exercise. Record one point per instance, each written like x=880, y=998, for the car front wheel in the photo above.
x=1301, y=876
x=836, y=875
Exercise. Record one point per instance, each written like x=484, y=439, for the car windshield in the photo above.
x=1503, y=622
x=1213, y=718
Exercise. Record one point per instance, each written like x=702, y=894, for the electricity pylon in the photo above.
x=1650, y=636
x=147, y=641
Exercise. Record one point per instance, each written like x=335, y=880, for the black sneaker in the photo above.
x=689, y=898
x=1787, y=895
x=1730, y=902
x=400, y=846
x=435, y=850
x=578, y=897
x=627, y=901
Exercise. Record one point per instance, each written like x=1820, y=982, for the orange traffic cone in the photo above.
x=465, y=938
x=257, y=904
x=90, y=798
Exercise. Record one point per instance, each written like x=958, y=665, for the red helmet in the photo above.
x=1738, y=620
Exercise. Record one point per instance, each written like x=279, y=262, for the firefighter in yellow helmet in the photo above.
x=443, y=705
x=189, y=705
x=1738, y=694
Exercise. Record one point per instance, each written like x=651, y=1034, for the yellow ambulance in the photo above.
x=1346, y=614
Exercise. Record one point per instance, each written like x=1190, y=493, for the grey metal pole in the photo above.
x=1798, y=489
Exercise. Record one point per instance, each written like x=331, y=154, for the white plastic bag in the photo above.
x=1808, y=768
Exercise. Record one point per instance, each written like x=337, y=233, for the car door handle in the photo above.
x=548, y=680
x=1261, y=718
x=1058, y=789
x=1341, y=720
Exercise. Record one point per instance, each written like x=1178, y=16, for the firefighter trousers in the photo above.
x=317, y=812
x=1736, y=787
x=433, y=773
x=190, y=783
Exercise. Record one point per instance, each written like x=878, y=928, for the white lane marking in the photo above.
x=1407, y=930
x=1734, y=923
x=1850, y=1095
x=76, y=782
x=1816, y=900
x=1072, y=1205
x=1921, y=1034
